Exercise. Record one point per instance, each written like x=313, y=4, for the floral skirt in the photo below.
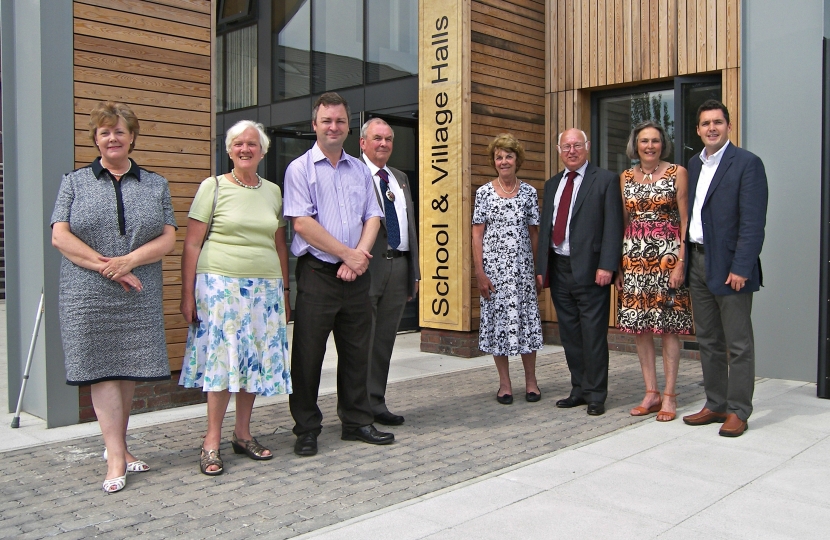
x=240, y=342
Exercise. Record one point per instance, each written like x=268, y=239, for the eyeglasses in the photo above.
x=567, y=147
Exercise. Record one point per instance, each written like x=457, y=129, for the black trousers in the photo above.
x=327, y=304
x=583, y=313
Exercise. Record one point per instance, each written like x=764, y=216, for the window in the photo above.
x=391, y=39
x=238, y=80
x=619, y=113
x=234, y=12
x=672, y=105
x=321, y=45
x=291, y=24
x=337, y=42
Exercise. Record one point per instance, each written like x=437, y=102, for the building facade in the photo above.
x=448, y=75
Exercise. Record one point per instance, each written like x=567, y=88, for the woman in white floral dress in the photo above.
x=233, y=295
x=505, y=233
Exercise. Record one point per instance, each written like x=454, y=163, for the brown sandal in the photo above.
x=642, y=411
x=671, y=416
x=251, y=447
x=208, y=458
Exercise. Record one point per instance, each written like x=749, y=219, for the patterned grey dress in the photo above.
x=107, y=332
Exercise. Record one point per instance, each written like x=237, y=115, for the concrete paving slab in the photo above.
x=561, y=468
x=478, y=499
x=752, y=513
x=552, y=515
x=633, y=488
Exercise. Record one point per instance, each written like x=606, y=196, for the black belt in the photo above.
x=392, y=253
x=697, y=247
x=317, y=264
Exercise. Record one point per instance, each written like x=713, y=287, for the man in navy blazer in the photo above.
x=580, y=245
x=727, y=214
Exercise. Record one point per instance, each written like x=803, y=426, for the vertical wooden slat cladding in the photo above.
x=155, y=56
x=508, y=85
x=604, y=43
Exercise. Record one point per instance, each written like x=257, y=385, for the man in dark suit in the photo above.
x=580, y=246
x=394, y=264
x=727, y=214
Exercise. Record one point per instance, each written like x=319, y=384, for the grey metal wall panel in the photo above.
x=782, y=102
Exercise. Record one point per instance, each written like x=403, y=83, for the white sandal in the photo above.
x=134, y=466
x=114, y=484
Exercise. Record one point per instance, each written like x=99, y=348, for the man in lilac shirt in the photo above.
x=330, y=200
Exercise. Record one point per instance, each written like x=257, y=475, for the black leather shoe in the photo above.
x=306, y=444
x=533, y=397
x=595, y=408
x=570, y=402
x=506, y=399
x=367, y=434
x=388, y=419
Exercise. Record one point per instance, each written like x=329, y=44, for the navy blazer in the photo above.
x=734, y=214
x=596, y=228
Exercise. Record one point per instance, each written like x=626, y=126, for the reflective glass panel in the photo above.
x=619, y=114
x=291, y=46
x=337, y=42
x=240, y=77
x=693, y=97
x=391, y=39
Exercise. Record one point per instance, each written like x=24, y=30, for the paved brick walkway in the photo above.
x=455, y=431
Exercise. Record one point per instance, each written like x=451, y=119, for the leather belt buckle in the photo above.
x=390, y=254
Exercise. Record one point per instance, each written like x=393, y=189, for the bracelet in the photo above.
x=289, y=290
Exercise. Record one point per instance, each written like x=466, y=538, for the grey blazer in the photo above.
x=382, y=242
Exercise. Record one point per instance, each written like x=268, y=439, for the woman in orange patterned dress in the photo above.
x=652, y=298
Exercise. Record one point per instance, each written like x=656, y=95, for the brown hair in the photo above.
x=631, y=147
x=330, y=99
x=508, y=143
x=107, y=113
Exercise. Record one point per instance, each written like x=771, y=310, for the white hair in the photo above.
x=365, y=127
x=559, y=140
x=238, y=128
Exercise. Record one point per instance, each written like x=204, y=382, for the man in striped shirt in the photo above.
x=330, y=200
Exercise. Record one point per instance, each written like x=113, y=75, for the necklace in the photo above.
x=516, y=185
x=238, y=181
x=648, y=175
x=120, y=173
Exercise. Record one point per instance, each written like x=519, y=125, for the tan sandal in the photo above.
x=251, y=447
x=670, y=415
x=209, y=458
x=642, y=411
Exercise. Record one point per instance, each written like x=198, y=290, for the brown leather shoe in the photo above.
x=705, y=416
x=733, y=427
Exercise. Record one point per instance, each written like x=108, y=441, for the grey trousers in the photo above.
x=387, y=309
x=723, y=326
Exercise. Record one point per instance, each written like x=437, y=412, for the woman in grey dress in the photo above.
x=113, y=222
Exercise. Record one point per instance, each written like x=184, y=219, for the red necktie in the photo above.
x=561, y=223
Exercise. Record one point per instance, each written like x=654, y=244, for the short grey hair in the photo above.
x=238, y=128
x=559, y=139
x=365, y=127
x=631, y=147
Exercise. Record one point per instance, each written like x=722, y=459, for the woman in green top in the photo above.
x=233, y=295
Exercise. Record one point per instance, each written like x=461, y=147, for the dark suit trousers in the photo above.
x=723, y=324
x=583, y=313
x=387, y=309
x=325, y=304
